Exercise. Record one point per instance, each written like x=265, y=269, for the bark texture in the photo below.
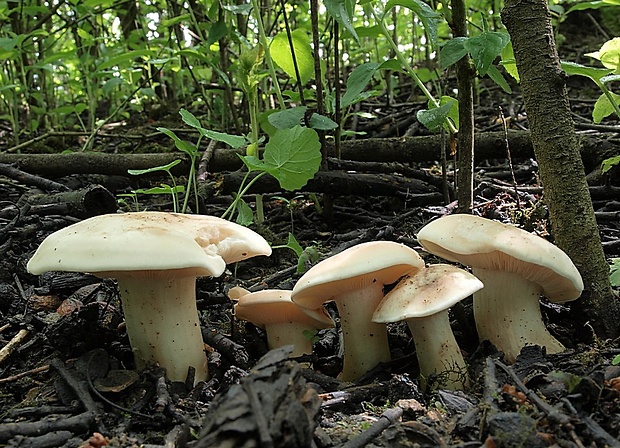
x=561, y=169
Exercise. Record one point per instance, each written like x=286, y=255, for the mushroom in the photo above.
x=354, y=280
x=422, y=300
x=284, y=322
x=516, y=268
x=156, y=257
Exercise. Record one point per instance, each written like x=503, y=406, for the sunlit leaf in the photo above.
x=342, y=11
x=281, y=54
x=427, y=15
x=603, y=107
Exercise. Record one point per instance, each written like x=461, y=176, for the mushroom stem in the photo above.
x=437, y=350
x=365, y=342
x=507, y=313
x=162, y=324
x=290, y=333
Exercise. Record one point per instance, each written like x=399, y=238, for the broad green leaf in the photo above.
x=372, y=32
x=162, y=189
x=391, y=64
x=433, y=119
x=244, y=213
x=154, y=169
x=294, y=245
x=428, y=16
x=452, y=52
x=86, y=37
x=357, y=81
x=485, y=47
x=594, y=73
x=508, y=61
x=615, y=273
x=309, y=256
x=293, y=156
x=322, y=123
x=288, y=118
x=593, y=5
x=603, y=107
x=234, y=141
x=217, y=31
x=609, y=54
x=181, y=145
x=125, y=59
x=606, y=166
x=342, y=11
x=110, y=84
x=281, y=54
x=496, y=76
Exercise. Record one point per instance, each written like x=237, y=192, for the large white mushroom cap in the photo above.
x=198, y=245
x=484, y=243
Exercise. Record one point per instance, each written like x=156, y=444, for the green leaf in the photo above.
x=616, y=359
x=428, y=16
x=496, y=76
x=154, y=169
x=594, y=73
x=607, y=164
x=322, y=122
x=293, y=156
x=615, y=272
x=593, y=5
x=294, y=245
x=357, y=81
x=288, y=118
x=217, y=31
x=239, y=9
x=609, y=54
x=181, y=145
x=281, y=54
x=452, y=52
x=603, y=107
x=234, y=141
x=110, y=84
x=435, y=118
x=485, y=47
x=508, y=61
x=342, y=11
x=309, y=256
x=244, y=213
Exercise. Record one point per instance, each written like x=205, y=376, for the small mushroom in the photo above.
x=422, y=300
x=354, y=280
x=516, y=268
x=156, y=257
x=284, y=322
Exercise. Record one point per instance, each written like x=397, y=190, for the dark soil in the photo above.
x=66, y=370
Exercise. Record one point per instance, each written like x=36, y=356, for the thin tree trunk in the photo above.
x=561, y=169
x=465, y=136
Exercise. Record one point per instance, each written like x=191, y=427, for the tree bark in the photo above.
x=561, y=169
x=465, y=136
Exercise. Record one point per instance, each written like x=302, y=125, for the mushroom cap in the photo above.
x=381, y=262
x=273, y=306
x=119, y=244
x=484, y=243
x=426, y=292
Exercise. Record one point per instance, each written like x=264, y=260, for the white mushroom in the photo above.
x=422, y=299
x=516, y=268
x=284, y=322
x=354, y=280
x=156, y=257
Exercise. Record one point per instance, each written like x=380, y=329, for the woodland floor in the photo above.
x=69, y=372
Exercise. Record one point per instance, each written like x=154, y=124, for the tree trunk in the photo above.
x=465, y=136
x=561, y=169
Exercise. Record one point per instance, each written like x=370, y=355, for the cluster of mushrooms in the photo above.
x=157, y=256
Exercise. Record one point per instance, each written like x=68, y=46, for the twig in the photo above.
x=551, y=412
x=18, y=376
x=388, y=418
x=77, y=424
x=10, y=347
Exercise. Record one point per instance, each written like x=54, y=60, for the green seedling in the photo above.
x=173, y=190
x=608, y=103
x=191, y=150
x=614, y=272
x=292, y=156
x=305, y=257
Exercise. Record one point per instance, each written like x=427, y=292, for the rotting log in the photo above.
x=489, y=145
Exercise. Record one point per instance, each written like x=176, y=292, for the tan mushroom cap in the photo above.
x=426, y=292
x=484, y=243
x=194, y=245
x=364, y=264
x=273, y=306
